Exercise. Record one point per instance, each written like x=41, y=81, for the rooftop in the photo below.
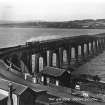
x=18, y=88
x=2, y=96
x=52, y=71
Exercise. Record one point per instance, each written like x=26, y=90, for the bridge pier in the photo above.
x=36, y=63
x=103, y=44
x=88, y=52
x=29, y=62
x=61, y=56
x=76, y=53
x=82, y=51
x=50, y=57
x=57, y=59
x=79, y=53
x=100, y=46
x=92, y=49
x=72, y=61
x=96, y=47
x=68, y=54
x=85, y=50
x=44, y=55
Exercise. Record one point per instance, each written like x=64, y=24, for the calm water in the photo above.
x=16, y=36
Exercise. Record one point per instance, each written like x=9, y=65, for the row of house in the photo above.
x=18, y=94
x=51, y=76
x=55, y=76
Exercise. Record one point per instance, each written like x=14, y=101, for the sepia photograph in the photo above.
x=52, y=52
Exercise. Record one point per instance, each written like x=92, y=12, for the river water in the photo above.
x=16, y=36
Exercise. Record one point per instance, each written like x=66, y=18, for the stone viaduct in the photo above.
x=60, y=53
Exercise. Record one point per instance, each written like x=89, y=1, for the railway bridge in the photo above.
x=60, y=53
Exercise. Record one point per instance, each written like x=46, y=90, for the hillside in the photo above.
x=88, y=23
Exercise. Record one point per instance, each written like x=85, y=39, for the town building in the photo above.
x=21, y=95
x=55, y=76
x=3, y=99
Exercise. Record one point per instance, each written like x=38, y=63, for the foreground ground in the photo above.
x=53, y=91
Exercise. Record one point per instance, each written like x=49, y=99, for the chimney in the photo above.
x=10, y=100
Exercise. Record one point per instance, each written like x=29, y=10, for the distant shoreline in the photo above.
x=76, y=24
x=44, y=27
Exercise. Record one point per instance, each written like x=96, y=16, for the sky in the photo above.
x=51, y=10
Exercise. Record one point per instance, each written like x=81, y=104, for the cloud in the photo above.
x=54, y=10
